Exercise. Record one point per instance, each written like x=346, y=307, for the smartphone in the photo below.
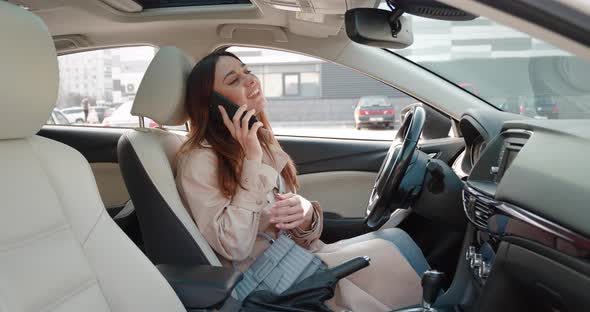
x=230, y=107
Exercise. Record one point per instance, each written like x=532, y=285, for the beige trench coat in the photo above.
x=231, y=227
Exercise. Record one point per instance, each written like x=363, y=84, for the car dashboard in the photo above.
x=526, y=194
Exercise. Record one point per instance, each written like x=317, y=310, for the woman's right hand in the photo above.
x=239, y=131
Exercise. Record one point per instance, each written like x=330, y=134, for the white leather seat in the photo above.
x=146, y=158
x=59, y=249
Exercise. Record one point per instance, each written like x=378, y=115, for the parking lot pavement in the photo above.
x=327, y=131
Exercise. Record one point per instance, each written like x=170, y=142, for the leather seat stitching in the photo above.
x=42, y=162
x=92, y=228
x=34, y=238
x=75, y=291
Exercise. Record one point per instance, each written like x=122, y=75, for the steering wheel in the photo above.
x=388, y=192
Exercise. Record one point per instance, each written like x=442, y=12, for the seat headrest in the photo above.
x=161, y=93
x=29, y=74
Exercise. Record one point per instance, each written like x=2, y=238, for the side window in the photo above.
x=60, y=118
x=310, y=97
x=51, y=120
x=97, y=88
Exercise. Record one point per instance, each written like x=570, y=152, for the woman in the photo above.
x=226, y=176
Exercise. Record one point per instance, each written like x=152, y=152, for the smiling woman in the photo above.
x=241, y=189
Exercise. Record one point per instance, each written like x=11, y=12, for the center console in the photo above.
x=526, y=197
x=495, y=219
x=490, y=217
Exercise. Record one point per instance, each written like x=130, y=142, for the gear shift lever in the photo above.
x=432, y=282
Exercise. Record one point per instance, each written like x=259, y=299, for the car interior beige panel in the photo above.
x=343, y=192
x=110, y=184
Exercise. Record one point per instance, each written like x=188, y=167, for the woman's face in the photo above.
x=234, y=81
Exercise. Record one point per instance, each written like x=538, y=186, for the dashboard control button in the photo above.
x=484, y=270
x=476, y=261
x=494, y=170
x=470, y=253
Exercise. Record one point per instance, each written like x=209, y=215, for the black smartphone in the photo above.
x=230, y=107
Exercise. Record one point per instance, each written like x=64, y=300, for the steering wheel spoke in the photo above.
x=392, y=171
x=373, y=199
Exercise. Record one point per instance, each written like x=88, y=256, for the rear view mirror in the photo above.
x=392, y=29
x=375, y=27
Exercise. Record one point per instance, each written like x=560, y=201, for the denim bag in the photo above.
x=281, y=266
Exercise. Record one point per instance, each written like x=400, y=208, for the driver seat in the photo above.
x=59, y=249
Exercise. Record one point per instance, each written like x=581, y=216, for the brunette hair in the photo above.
x=201, y=128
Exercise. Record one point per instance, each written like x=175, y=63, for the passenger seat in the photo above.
x=146, y=157
x=59, y=249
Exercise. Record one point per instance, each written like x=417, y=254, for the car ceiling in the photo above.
x=98, y=24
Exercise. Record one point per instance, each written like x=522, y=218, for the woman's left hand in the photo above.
x=290, y=211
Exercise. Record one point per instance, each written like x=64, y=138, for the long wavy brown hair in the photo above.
x=229, y=152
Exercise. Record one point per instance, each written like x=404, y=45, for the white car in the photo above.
x=122, y=118
x=57, y=118
x=74, y=114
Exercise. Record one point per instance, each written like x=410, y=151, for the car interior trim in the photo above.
x=472, y=195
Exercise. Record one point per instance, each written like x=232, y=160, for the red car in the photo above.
x=374, y=110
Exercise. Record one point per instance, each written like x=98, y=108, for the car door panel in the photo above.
x=340, y=173
x=342, y=193
x=96, y=144
x=110, y=184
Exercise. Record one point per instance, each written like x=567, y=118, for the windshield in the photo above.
x=506, y=68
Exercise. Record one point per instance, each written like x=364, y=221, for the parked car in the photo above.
x=74, y=114
x=511, y=105
x=540, y=107
x=121, y=117
x=57, y=118
x=374, y=110
x=537, y=106
x=102, y=112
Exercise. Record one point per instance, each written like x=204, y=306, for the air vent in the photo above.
x=465, y=198
x=477, y=208
x=481, y=213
